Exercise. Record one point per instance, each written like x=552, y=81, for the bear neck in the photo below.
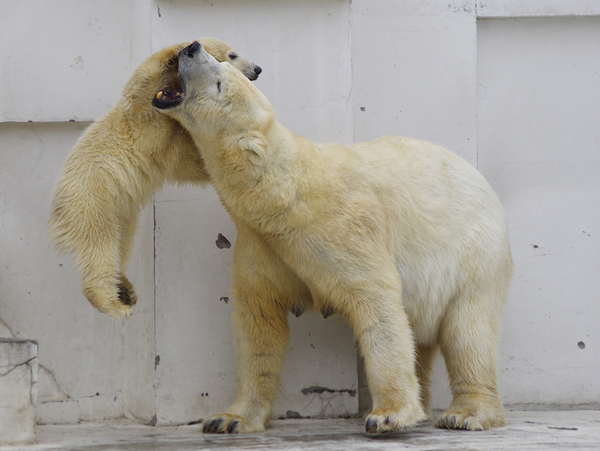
x=265, y=198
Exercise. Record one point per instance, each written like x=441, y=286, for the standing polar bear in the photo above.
x=114, y=169
x=400, y=237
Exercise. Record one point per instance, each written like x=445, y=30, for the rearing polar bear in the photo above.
x=400, y=237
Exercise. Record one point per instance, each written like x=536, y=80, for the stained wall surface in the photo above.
x=512, y=89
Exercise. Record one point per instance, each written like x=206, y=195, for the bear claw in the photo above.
x=213, y=425
x=125, y=292
x=232, y=427
x=370, y=426
x=230, y=424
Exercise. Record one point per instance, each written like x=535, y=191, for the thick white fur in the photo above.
x=113, y=171
x=401, y=237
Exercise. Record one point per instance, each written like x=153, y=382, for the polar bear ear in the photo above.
x=254, y=147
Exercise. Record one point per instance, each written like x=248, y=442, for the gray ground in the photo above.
x=526, y=430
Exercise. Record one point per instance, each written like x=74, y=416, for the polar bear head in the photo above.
x=158, y=73
x=222, y=52
x=216, y=100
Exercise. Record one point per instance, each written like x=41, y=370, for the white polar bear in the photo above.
x=402, y=238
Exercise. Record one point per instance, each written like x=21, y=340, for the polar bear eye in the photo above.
x=219, y=85
x=232, y=56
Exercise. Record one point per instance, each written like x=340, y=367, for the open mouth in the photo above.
x=168, y=99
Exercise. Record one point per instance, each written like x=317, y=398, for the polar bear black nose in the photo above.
x=257, y=70
x=192, y=49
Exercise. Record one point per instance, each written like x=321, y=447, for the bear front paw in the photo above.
x=106, y=302
x=117, y=310
x=229, y=424
x=382, y=421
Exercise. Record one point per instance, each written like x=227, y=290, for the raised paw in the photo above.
x=382, y=421
x=107, y=303
x=117, y=310
x=473, y=413
x=126, y=293
x=229, y=424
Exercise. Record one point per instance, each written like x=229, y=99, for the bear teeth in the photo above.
x=159, y=95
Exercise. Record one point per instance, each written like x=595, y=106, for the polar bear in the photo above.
x=401, y=238
x=114, y=169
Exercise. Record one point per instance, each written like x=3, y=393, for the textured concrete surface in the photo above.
x=18, y=390
x=526, y=430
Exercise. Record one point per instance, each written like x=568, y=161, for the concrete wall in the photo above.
x=513, y=88
x=539, y=145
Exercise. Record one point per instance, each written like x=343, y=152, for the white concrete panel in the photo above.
x=536, y=8
x=195, y=374
x=80, y=349
x=303, y=47
x=304, y=50
x=539, y=145
x=319, y=373
x=63, y=60
x=139, y=340
x=414, y=72
x=18, y=390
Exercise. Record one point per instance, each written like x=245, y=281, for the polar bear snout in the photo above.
x=194, y=57
x=253, y=73
x=191, y=49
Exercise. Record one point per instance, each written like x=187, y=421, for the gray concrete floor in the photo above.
x=526, y=430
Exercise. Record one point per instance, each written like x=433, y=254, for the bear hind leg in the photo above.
x=469, y=339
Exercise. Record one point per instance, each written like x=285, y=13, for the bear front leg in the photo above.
x=261, y=338
x=127, y=227
x=97, y=226
x=385, y=339
x=102, y=264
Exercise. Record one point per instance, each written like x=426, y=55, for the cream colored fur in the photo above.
x=113, y=171
x=400, y=237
